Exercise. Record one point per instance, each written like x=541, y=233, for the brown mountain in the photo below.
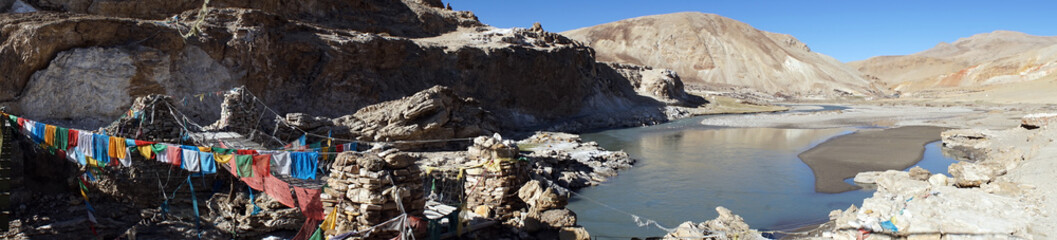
x=717, y=52
x=976, y=63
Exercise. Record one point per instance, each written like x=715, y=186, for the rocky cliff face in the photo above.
x=996, y=58
x=95, y=64
x=407, y=18
x=717, y=52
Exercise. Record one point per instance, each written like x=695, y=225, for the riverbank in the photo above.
x=1000, y=194
x=996, y=193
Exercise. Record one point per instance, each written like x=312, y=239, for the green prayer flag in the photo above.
x=157, y=148
x=217, y=150
x=62, y=138
x=245, y=165
x=317, y=235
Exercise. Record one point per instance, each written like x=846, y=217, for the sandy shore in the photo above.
x=868, y=150
x=855, y=116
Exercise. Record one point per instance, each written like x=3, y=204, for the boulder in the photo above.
x=918, y=173
x=541, y=199
x=558, y=218
x=973, y=175
x=399, y=160
x=939, y=180
x=1037, y=120
x=726, y=222
x=967, y=144
x=686, y=230
x=867, y=177
x=532, y=224
x=574, y=233
x=725, y=226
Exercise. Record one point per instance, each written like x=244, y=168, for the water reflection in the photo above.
x=686, y=170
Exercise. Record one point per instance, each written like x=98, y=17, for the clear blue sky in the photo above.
x=846, y=30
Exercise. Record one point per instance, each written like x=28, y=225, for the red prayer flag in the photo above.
x=279, y=190
x=261, y=168
x=233, y=168
x=262, y=165
x=72, y=139
x=255, y=182
x=175, y=155
x=307, y=230
x=310, y=204
x=246, y=152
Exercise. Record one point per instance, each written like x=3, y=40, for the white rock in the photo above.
x=939, y=180
x=867, y=177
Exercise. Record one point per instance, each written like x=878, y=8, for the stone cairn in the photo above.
x=491, y=190
x=364, y=187
x=238, y=113
x=150, y=118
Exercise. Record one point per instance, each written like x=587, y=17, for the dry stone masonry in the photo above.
x=491, y=190
x=238, y=113
x=370, y=188
x=150, y=118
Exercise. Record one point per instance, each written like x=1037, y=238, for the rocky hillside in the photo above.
x=995, y=58
x=85, y=61
x=718, y=53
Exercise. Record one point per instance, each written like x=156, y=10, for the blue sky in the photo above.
x=846, y=30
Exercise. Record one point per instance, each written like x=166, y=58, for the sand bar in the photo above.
x=867, y=150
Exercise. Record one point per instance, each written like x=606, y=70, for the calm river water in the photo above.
x=686, y=169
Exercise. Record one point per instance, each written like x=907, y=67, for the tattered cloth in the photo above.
x=279, y=190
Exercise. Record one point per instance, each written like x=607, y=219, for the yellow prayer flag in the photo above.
x=328, y=222
x=146, y=151
x=91, y=161
x=49, y=135
x=223, y=158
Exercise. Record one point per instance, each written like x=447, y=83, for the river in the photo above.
x=686, y=169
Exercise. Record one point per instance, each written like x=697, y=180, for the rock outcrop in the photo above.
x=434, y=113
x=570, y=162
x=1033, y=121
x=723, y=54
x=661, y=84
x=294, y=66
x=725, y=226
x=406, y=18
